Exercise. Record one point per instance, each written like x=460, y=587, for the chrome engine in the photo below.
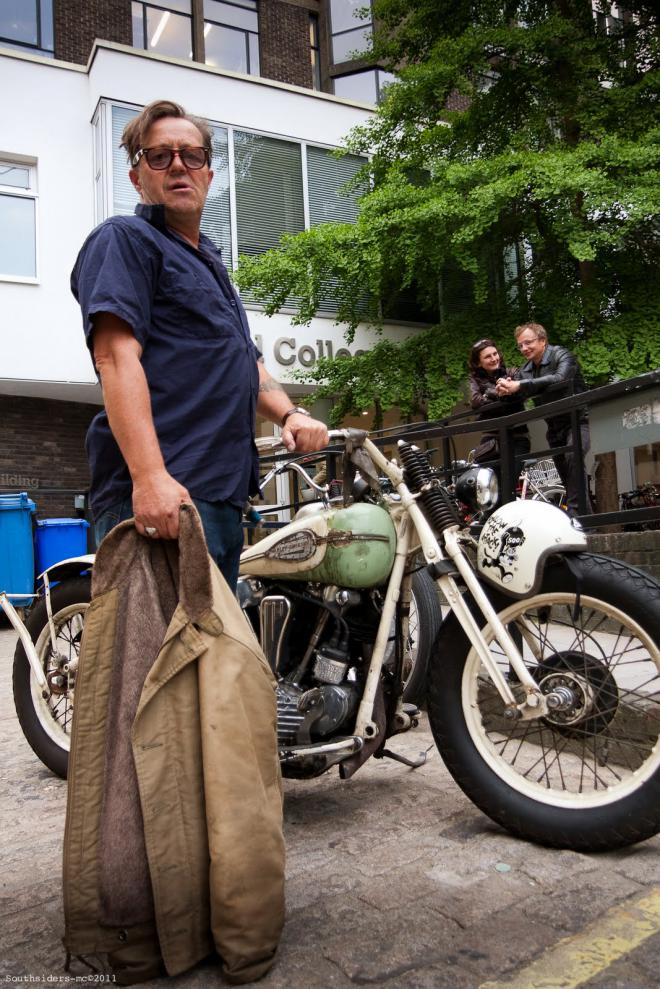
x=329, y=697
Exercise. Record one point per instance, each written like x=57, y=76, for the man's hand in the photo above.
x=304, y=435
x=506, y=386
x=157, y=498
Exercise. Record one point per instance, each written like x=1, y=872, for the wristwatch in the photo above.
x=296, y=410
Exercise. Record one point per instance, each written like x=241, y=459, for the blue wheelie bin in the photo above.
x=59, y=539
x=16, y=549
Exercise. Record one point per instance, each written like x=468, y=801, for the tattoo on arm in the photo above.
x=270, y=385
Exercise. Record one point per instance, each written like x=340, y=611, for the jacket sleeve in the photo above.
x=480, y=395
x=562, y=372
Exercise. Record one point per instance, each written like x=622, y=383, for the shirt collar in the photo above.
x=155, y=215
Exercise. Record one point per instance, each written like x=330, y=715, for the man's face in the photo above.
x=531, y=346
x=182, y=190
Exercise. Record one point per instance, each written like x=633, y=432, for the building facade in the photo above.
x=276, y=81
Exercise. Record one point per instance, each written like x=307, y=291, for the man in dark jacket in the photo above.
x=552, y=373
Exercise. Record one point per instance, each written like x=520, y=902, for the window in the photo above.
x=163, y=27
x=366, y=87
x=269, y=191
x=27, y=25
x=351, y=29
x=231, y=35
x=263, y=187
x=18, y=218
x=315, y=50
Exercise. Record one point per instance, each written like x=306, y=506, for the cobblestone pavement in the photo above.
x=394, y=879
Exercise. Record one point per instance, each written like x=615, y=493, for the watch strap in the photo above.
x=293, y=411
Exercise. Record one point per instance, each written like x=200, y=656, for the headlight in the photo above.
x=478, y=488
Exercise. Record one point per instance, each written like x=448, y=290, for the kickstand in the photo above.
x=413, y=763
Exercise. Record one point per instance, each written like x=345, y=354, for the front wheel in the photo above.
x=45, y=716
x=585, y=776
x=423, y=624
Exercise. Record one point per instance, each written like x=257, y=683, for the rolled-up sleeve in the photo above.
x=116, y=272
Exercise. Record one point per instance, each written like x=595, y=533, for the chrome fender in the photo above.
x=73, y=567
x=518, y=538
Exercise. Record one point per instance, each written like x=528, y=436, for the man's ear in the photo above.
x=134, y=176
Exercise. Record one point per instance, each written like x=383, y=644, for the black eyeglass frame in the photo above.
x=144, y=153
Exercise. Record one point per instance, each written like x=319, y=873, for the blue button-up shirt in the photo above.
x=197, y=355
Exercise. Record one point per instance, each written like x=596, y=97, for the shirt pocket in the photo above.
x=193, y=306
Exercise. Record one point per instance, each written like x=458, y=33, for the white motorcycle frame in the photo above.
x=407, y=515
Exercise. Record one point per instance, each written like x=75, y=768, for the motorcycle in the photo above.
x=543, y=680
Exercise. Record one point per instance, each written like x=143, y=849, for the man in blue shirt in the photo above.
x=182, y=381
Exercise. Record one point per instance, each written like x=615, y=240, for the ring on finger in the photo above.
x=150, y=531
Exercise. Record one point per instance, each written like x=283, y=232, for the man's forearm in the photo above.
x=273, y=401
x=128, y=405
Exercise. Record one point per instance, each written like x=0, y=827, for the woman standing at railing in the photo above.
x=486, y=366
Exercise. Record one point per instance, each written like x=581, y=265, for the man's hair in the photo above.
x=136, y=130
x=540, y=331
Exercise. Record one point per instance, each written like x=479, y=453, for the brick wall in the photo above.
x=78, y=22
x=284, y=42
x=639, y=549
x=43, y=446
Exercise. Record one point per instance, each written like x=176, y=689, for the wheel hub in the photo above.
x=582, y=695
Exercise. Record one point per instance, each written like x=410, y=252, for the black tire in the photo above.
x=425, y=621
x=46, y=720
x=587, y=778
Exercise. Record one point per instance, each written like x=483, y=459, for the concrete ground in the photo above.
x=394, y=879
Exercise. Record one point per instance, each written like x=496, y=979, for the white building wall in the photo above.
x=47, y=118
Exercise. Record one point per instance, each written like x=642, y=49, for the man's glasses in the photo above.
x=526, y=343
x=161, y=158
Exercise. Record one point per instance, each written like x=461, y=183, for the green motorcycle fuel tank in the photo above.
x=350, y=547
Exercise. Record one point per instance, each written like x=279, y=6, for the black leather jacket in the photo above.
x=543, y=382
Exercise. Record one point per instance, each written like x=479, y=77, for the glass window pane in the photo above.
x=253, y=48
x=168, y=33
x=216, y=218
x=343, y=14
x=316, y=70
x=211, y=7
x=227, y=13
x=326, y=177
x=124, y=196
x=18, y=21
x=137, y=10
x=384, y=79
x=344, y=46
x=46, y=24
x=269, y=194
x=357, y=86
x=17, y=236
x=181, y=5
x=225, y=48
x=14, y=175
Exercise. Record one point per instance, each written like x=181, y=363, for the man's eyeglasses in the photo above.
x=526, y=343
x=161, y=158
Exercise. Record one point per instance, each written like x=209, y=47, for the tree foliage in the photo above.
x=518, y=132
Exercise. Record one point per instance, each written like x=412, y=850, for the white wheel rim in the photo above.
x=539, y=760
x=56, y=711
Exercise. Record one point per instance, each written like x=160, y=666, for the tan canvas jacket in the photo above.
x=173, y=841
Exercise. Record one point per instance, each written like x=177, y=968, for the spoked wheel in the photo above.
x=554, y=496
x=45, y=715
x=587, y=774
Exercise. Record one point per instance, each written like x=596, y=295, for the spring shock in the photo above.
x=435, y=501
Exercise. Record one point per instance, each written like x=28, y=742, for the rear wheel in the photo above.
x=554, y=496
x=587, y=775
x=424, y=622
x=45, y=716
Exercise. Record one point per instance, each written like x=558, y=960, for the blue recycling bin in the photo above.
x=59, y=539
x=16, y=549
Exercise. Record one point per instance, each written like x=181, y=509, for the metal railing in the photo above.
x=442, y=433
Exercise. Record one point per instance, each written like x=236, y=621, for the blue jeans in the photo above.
x=222, y=529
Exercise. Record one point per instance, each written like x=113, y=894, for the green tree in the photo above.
x=518, y=155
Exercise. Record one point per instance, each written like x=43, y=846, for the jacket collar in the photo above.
x=186, y=564
x=153, y=214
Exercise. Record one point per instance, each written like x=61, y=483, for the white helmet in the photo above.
x=516, y=541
